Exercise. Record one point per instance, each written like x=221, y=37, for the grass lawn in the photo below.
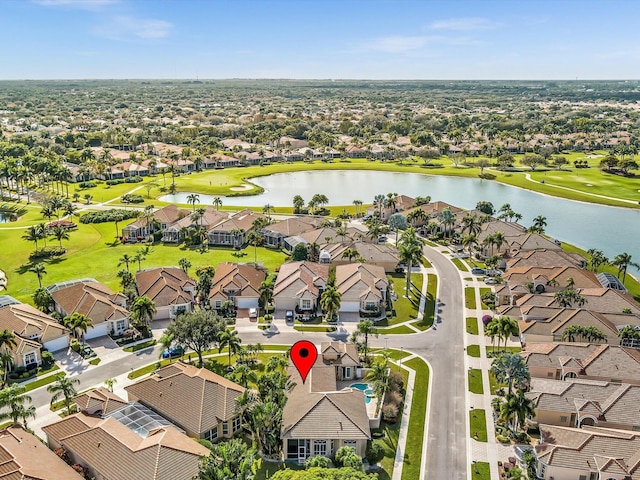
x=483, y=291
x=473, y=351
x=470, y=297
x=140, y=346
x=426, y=263
x=415, y=435
x=481, y=471
x=475, y=381
x=493, y=383
x=41, y=382
x=430, y=303
x=91, y=252
x=405, y=308
x=398, y=330
x=478, y=424
x=460, y=264
x=472, y=325
x=502, y=349
x=314, y=328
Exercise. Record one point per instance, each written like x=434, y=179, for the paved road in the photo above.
x=443, y=348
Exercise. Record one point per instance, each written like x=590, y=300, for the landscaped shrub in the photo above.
x=47, y=252
x=108, y=216
x=394, y=398
x=136, y=179
x=317, y=461
x=47, y=359
x=115, y=181
x=396, y=382
x=132, y=198
x=390, y=413
x=502, y=439
x=86, y=185
x=374, y=453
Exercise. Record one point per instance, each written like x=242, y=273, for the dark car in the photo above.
x=171, y=352
x=289, y=316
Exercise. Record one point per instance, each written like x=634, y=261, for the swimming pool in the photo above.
x=365, y=388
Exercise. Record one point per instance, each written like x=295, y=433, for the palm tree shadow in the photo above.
x=114, y=243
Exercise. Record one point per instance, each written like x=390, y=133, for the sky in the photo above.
x=320, y=39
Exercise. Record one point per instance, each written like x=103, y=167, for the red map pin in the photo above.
x=303, y=355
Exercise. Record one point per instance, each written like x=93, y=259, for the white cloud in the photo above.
x=85, y=4
x=464, y=24
x=126, y=27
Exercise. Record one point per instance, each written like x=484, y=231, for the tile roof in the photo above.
x=113, y=451
x=292, y=226
x=193, y=398
x=99, y=400
x=242, y=220
x=26, y=321
x=25, y=457
x=303, y=275
x=544, y=258
x=93, y=299
x=244, y=279
x=165, y=285
x=359, y=280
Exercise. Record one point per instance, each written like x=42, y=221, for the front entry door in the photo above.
x=302, y=451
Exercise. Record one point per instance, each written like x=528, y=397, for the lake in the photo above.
x=610, y=229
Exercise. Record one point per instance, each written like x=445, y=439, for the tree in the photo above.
x=596, y=258
x=109, y=383
x=511, y=368
x=228, y=460
x=125, y=260
x=60, y=233
x=217, y=202
x=330, y=302
x=117, y=219
x=379, y=377
x=40, y=270
x=410, y=252
x=43, y=300
x=298, y=204
x=255, y=240
x=32, y=235
x=397, y=222
x=366, y=328
x=485, y=207
x=243, y=375
x=623, y=261
x=517, y=408
x=229, y=338
x=539, y=223
x=268, y=210
x=7, y=343
x=13, y=407
x=320, y=473
x=447, y=219
x=266, y=293
x=469, y=241
x=142, y=312
x=192, y=199
x=184, y=264
x=78, y=324
x=350, y=254
x=63, y=387
x=532, y=161
x=197, y=330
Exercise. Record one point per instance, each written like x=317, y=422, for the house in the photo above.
x=601, y=300
x=320, y=236
x=383, y=255
x=319, y=418
x=132, y=169
x=174, y=233
x=33, y=329
x=130, y=442
x=233, y=230
x=162, y=219
x=363, y=287
x=545, y=258
x=344, y=357
x=564, y=361
x=299, y=285
x=24, y=457
x=99, y=401
x=587, y=453
x=275, y=233
x=106, y=309
x=578, y=402
x=170, y=288
x=195, y=399
x=236, y=282
x=432, y=210
x=399, y=203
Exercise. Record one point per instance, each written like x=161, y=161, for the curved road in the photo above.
x=442, y=348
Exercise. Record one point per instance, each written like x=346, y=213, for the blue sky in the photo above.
x=372, y=39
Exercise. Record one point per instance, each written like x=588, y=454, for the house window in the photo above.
x=346, y=372
x=217, y=304
x=349, y=443
x=121, y=325
x=563, y=419
x=370, y=305
x=320, y=447
x=225, y=428
x=30, y=358
x=306, y=304
x=211, y=434
x=181, y=309
x=235, y=425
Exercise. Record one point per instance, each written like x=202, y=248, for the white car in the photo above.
x=253, y=313
x=490, y=281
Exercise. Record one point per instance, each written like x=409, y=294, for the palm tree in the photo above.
x=7, y=343
x=142, y=311
x=40, y=270
x=125, y=260
x=417, y=217
x=277, y=362
x=217, y=202
x=358, y=204
x=597, y=258
x=623, y=261
x=184, y=264
x=471, y=224
x=512, y=369
x=117, y=219
x=109, y=383
x=255, y=240
x=243, y=375
x=330, y=301
x=470, y=240
x=32, y=235
x=350, y=254
x=491, y=331
x=268, y=210
x=410, y=250
x=517, y=408
x=229, y=338
x=313, y=252
x=539, y=223
x=266, y=293
x=192, y=199
x=78, y=324
x=60, y=233
x=366, y=328
x=12, y=404
x=379, y=376
x=298, y=204
x=63, y=387
x=507, y=327
x=447, y=219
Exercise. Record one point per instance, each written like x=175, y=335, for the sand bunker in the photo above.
x=242, y=188
x=3, y=281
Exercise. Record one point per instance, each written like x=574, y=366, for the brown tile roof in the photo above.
x=560, y=275
x=545, y=258
x=307, y=273
x=114, y=451
x=24, y=457
x=26, y=321
x=245, y=280
x=164, y=285
x=358, y=280
x=293, y=226
x=93, y=299
x=99, y=400
x=192, y=398
x=601, y=300
x=339, y=353
x=167, y=215
x=242, y=220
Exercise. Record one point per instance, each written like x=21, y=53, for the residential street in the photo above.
x=442, y=348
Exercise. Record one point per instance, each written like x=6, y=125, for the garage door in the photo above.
x=349, y=306
x=247, y=303
x=60, y=343
x=99, y=330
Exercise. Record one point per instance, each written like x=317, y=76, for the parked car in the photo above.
x=494, y=273
x=382, y=239
x=171, y=352
x=478, y=271
x=288, y=316
x=490, y=281
x=253, y=313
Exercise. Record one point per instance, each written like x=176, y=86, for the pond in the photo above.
x=6, y=217
x=610, y=229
